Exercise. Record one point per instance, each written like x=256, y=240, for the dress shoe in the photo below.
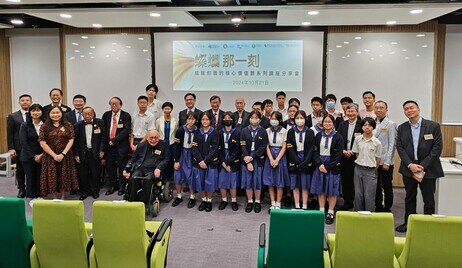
x=111, y=191
x=329, y=218
x=257, y=207
x=249, y=207
x=234, y=206
x=208, y=206
x=121, y=192
x=223, y=205
x=202, y=206
x=83, y=196
x=402, y=228
x=177, y=201
x=21, y=193
x=191, y=203
x=95, y=195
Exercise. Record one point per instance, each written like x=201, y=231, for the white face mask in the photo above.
x=274, y=122
x=300, y=122
x=254, y=122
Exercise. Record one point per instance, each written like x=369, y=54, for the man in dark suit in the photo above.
x=190, y=101
x=419, y=145
x=215, y=113
x=14, y=122
x=265, y=122
x=241, y=116
x=349, y=130
x=75, y=115
x=118, y=124
x=56, y=97
x=89, y=149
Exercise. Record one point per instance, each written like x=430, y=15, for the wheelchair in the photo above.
x=160, y=190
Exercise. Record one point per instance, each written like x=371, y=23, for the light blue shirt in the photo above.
x=415, y=129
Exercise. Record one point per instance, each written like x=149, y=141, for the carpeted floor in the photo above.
x=216, y=239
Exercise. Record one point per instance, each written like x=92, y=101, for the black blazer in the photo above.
x=220, y=118
x=182, y=117
x=296, y=164
x=46, y=109
x=14, y=122
x=233, y=147
x=97, y=139
x=179, y=141
x=336, y=150
x=205, y=150
x=244, y=121
x=265, y=122
x=428, y=150
x=309, y=121
x=29, y=141
x=343, y=130
x=287, y=123
x=121, y=140
x=261, y=141
x=161, y=156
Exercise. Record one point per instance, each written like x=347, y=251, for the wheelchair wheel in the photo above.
x=168, y=191
x=155, y=208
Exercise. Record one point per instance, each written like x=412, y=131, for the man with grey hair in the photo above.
x=240, y=116
x=349, y=130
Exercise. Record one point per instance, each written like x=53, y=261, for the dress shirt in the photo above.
x=88, y=133
x=351, y=129
x=415, y=129
x=367, y=150
x=141, y=123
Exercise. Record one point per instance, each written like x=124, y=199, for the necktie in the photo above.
x=24, y=116
x=79, y=117
x=275, y=132
x=113, y=127
x=189, y=137
x=216, y=118
x=300, y=137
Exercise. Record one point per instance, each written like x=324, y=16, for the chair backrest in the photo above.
x=119, y=234
x=363, y=240
x=14, y=234
x=432, y=242
x=59, y=233
x=295, y=239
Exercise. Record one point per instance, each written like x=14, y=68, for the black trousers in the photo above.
x=140, y=189
x=115, y=163
x=385, y=184
x=89, y=173
x=32, y=170
x=427, y=187
x=347, y=173
x=20, y=175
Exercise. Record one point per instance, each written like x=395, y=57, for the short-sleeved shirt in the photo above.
x=367, y=150
x=364, y=113
x=281, y=136
x=141, y=123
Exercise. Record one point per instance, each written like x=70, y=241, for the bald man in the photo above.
x=240, y=116
x=150, y=161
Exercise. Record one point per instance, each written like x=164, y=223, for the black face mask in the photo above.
x=227, y=122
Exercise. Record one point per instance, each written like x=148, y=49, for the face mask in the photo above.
x=274, y=122
x=330, y=104
x=300, y=122
x=227, y=122
x=254, y=122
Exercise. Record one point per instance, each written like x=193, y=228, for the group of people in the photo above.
x=322, y=155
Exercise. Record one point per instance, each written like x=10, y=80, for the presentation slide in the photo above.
x=237, y=65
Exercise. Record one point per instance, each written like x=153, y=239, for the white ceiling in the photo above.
x=362, y=16
x=38, y=2
x=121, y=18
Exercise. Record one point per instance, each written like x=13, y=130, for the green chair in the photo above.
x=60, y=234
x=362, y=239
x=431, y=241
x=296, y=239
x=122, y=237
x=15, y=237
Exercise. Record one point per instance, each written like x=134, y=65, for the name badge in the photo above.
x=428, y=137
x=252, y=148
x=157, y=152
x=239, y=121
x=357, y=134
x=63, y=129
x=384, y=129
x=97, y=131
x=120, y=125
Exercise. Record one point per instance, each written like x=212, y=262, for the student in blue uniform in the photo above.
x=182, y=156
x=230, y=154
x=328, y=147
x=205, y=162
x=253, y=146
x=300, y=159
x=290, y=123
x=275, y=171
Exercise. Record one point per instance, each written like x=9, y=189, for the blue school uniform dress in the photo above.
x=253, y=143
x=328, y=151
x=278, y=176
x=205, y=148
x=300, y=157
x=182, y=153
x=229, y=153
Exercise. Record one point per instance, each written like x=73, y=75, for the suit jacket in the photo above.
x=386, y=133
x=234, y=149
x=220, y=118
x=70, y=116
x=14, y=122
x=161, y=155
x=261, y=141
x=244, y=119
x=46, y=109
x=309, y=121
x=29, y=141
x=428, y=150
x=182, y=117
x=173, y=127
x=343, y=130
x=295, y=164
x=265, y=122
x=179, y=141
x=97, y=139
x=206, y=150
x=336, y=149
x=121, y=140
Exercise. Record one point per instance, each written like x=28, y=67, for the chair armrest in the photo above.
x=29, y=226
x=399, y=245
x=326, y=258
x=326, y=245
x=89, y=228
x=34, y=262
x=89, y=246
x=157, y=237
x=261, y=247
x=331, y=242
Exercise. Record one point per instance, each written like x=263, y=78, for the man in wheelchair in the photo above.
x=148, y=163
